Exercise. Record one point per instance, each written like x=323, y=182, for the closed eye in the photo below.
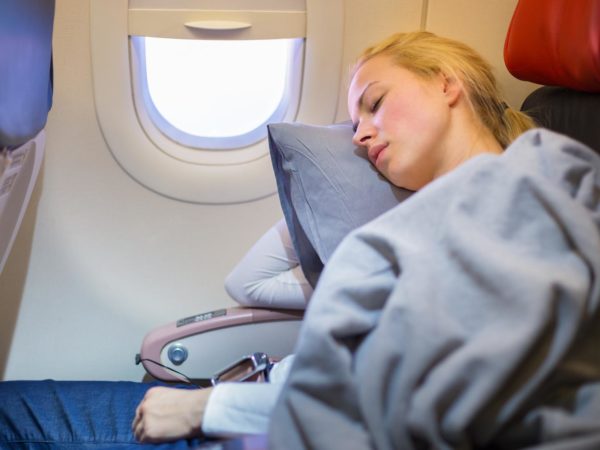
x=375, y=106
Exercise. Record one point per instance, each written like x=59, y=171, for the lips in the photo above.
x=375, y=151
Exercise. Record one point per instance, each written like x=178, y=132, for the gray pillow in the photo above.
x=327, y=188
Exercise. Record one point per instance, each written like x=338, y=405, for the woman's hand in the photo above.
x=167, y=414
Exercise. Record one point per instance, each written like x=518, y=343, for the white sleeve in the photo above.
x=240, y=408
x=269, y=275
x=244, y=408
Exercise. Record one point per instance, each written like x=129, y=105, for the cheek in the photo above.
x=416, y=111
x=394, y=121
x=413, y=157
x=405, y=119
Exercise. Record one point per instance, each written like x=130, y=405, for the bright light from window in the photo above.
x=216, y=88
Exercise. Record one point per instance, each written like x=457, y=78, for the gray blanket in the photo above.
x=466, y=317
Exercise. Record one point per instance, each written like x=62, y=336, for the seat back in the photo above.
x=25, y=99
x=557, y=44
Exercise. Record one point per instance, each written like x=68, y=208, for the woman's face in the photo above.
x=401, y=119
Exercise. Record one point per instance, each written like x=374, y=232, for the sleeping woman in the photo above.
x=469, y=315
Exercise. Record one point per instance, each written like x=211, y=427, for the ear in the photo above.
x=452, y=89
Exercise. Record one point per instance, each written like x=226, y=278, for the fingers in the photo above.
x=137, y=426
x=158, y=416
x=138, y=416
x=166, y=414
x=142, y=427
x=138, y=432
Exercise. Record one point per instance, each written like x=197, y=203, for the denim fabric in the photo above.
x=73, y=415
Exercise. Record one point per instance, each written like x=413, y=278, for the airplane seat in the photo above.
x=557, y=44
x=25, y=100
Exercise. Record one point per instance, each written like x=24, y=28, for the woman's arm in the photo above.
x=167, y=414
x=269, y=275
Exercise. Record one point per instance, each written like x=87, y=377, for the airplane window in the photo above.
x=215, y=94
x=184, y=89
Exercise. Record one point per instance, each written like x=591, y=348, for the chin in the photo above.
x=400, y=178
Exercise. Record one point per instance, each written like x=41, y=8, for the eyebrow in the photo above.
x=361, y=101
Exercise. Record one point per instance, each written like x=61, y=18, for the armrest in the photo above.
x=201, y=345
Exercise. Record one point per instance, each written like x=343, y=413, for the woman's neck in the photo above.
x=469, y=138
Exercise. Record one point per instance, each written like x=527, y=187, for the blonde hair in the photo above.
x=426, y=54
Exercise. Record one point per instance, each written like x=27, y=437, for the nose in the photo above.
x=363, y=134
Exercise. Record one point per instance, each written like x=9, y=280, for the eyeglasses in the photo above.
x=254, y=367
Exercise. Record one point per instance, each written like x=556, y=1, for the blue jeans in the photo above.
x=73, y=415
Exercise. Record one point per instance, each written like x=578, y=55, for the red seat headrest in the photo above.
x=555, y=42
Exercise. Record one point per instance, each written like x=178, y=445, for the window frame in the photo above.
x=206, y=181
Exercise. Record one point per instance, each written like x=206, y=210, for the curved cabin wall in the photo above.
x=100, y=259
